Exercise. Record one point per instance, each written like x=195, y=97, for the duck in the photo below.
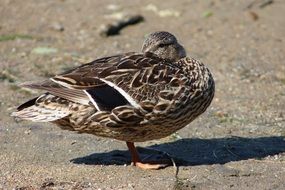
x=131, y=97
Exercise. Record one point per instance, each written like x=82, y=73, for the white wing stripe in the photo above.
x=123, y=93
x=92, y=100
x=60, y=83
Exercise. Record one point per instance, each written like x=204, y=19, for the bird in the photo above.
x=131, y=97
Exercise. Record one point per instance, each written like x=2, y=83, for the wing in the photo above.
x=74, y=95
x=142, y=81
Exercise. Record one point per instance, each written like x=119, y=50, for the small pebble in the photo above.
x=73, y=142
x=113, y=7
x=28, y=131
x=253, y=15
x=57, y=27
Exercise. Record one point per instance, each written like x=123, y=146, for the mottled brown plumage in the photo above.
x=132, y=97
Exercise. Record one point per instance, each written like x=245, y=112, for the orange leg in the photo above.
x=136, y=161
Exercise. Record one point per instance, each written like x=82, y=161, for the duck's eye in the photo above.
x=162, y=45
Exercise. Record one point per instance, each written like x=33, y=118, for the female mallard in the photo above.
x=132, y=97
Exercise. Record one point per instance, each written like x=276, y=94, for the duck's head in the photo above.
x=164, y=45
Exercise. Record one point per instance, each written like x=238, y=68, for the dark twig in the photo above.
x=115, y=28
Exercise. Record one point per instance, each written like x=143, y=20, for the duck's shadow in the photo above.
x=196, y=151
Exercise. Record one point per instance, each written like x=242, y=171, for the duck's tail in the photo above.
x=44, y=108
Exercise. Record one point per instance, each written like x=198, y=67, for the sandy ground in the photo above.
x=237, y=144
